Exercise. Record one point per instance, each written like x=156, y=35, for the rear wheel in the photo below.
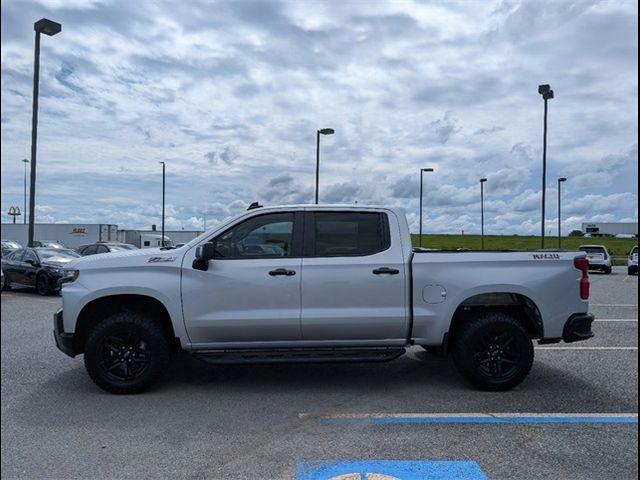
x=493, y=352
x=6, y=285
x=607, y=270
x=126, y=353
x=42, y=285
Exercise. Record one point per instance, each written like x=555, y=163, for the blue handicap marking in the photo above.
x=390, y=470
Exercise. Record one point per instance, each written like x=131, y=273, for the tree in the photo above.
x=576, y=233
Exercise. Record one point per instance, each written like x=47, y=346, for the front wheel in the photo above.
x=493, y=352
x=126, y=353
x=42, y=285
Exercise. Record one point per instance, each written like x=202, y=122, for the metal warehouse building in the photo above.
x=601, y=228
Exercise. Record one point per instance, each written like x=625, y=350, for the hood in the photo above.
x=58, y=261
x=126, y=258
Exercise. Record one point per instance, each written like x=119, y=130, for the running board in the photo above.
x=299, y=355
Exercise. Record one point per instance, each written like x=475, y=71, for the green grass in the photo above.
x=618, y=247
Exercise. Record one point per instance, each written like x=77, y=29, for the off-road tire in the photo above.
x=493, y=339
x=135, y=366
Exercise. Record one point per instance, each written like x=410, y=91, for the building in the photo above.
x=598, y=229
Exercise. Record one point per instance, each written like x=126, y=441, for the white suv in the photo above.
x=598, y=256
x=632, y=262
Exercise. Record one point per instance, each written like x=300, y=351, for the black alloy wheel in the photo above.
x=126, y=353
x=493, y=352
x=124, y=356
x=42, y=284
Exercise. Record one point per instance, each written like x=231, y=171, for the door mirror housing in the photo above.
x=204, y=253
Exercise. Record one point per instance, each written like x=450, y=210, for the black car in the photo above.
x=41, y=268
x=104, y=247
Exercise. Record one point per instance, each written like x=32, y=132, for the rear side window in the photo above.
x=346, y=234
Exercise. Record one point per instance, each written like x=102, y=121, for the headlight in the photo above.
x=69, y=275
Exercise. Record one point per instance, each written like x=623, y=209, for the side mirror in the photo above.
x=204, y=253
x=33, y=263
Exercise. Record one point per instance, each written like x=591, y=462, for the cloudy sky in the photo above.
x=230, y=95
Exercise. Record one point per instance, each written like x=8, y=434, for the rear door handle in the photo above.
x=282, y=271
x=386, y=271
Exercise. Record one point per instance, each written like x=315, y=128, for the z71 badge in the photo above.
x=160, y=259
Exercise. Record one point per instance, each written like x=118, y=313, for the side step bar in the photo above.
x=299, y=355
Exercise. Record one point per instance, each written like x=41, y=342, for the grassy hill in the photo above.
x=619, y=247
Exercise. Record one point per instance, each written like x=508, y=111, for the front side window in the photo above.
x=29, y=256
x=340, y=234
x=265, y=236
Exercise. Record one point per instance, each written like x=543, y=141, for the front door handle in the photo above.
x=386, y=270
x=282, y=271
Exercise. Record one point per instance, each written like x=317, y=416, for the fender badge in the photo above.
x=546, y=256
x=160, y=259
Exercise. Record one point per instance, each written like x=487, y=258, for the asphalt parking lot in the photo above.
x=574, y=417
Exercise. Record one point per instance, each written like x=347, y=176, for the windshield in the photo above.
x=120, y=248
x=592, y=249
x=57, y=254
x=634, y=251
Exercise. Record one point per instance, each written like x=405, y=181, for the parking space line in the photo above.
x=473, y=418
x=616, y=320
x=613, y=305
x=586, y=348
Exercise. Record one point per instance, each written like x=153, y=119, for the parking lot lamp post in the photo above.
x=324, y=131
x=422, y=170
x=25, y=161
x=547, y=93
x=48, y=28
x=560, y=180
x=163, y=183
x=482, y=180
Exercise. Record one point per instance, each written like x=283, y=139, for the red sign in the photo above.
x=79, y=231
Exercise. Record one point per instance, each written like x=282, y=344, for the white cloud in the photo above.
x=231, y=102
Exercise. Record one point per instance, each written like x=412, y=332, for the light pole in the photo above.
x=482, y=180
x=163, y=183
x=547, y=93
x=50, y=28
x=422, y=170
x=560, y=180
x=25, y=161
x=324, y=131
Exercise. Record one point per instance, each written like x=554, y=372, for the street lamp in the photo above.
x=547, y=93
x=482, y=180
x=163, y=183
x=50, y=28
x=560, y=180
x=25, y=161
x=324, y=131
x=422, y=170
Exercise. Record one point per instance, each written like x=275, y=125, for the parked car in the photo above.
x=598, y=256
x=48, y=244
x=42, y=268
x=104, y=247
x=632, y=262
x=318, y=284
x=9, y=246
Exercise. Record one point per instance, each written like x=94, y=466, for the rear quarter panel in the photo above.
x=549, y=280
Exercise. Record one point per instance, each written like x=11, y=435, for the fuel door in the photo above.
x=434, y=294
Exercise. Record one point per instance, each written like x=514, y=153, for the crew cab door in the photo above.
x=251, y=289
x=354, y=279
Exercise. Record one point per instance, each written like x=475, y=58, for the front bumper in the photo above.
x=64, y=341
x=578, y=328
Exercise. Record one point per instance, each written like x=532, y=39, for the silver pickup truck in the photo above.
x=318, y=284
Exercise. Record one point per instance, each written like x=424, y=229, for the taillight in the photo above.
x=582, y=264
